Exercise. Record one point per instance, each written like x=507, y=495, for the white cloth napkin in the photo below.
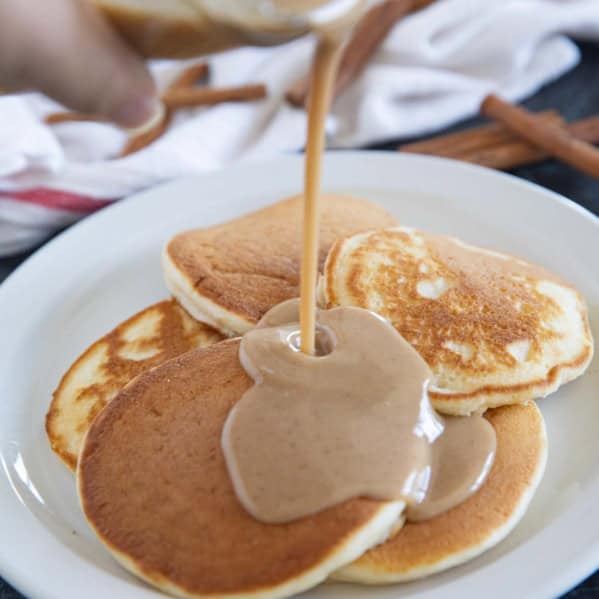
x=433, y=69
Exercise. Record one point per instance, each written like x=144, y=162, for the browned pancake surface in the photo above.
x=250, y=264
x=154, y=485
x=147, y=339
x=493, y=328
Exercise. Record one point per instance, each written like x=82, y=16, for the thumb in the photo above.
x=65, y=49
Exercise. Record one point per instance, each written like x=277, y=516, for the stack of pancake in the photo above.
x=139, y=415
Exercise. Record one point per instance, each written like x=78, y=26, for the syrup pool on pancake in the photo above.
x=353, y=420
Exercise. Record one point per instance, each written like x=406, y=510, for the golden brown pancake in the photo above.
x=230, y=275
x=476, y=525
x=154, y=486
x=144, y=341
x=494, y=329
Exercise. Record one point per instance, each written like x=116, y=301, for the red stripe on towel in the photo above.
x=54, y=198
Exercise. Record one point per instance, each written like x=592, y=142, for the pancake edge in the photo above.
x=464, y=403
x=495, y=396
x=66, y=457
x=203, y=308
x=357, y=574
x=350, y=549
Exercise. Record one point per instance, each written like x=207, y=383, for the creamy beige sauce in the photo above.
x=323, y=74
x=353, y=420
x=461, y=458
x=323, y=79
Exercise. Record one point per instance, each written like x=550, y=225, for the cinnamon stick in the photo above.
x=191, y=75
x=208, y=96
x=495, y=146
x=462, y=142
x=555, y=140
x=505, y=156
x=71, y=117
x=586, y=129
x=368, y=34
x=179, y=98
x=521, y=153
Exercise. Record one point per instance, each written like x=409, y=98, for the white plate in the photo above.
x=99, y=272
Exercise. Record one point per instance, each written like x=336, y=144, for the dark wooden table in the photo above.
x=575, y=95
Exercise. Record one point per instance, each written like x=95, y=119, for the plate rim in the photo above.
x=19, y=575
